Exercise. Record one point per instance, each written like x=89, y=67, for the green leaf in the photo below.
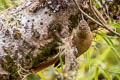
x=4, y=3
x=41, y=75
x=105, y=54
x=106, y=38
x=118, y=76
x=96, y=73
x=107, y=75
x=88, y=58
x=60, y=57
x=110, y=43
x=115, y=69
x=32, y=77
x=114, y=24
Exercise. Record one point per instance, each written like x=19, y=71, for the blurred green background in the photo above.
x=100, y=62
x=4, y=4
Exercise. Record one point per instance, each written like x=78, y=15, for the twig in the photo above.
x=86, y=14
x=101, y=24
x=102, y=20
x=99, y=15
x=95, y=13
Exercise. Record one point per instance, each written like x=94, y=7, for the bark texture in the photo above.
x=29, y=38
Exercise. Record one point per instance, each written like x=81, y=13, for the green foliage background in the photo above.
x=100, y=62
x=4, y=4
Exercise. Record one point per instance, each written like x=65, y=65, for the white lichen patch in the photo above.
x=22, y=32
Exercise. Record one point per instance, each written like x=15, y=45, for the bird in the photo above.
x=82, y=39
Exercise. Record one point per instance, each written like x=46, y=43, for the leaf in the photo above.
x=105, y=54
x=4, y=3
x=106, y=38
x=96, y=73
x=107, y=75
x=42, y=76
x=88, y=59
x=118, y=76
x=60, y=57
x=115, y=69
x=32, y=77
x=114, y=24
x=110, y=43
x=59, y=70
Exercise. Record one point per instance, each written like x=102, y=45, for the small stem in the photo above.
x=101, y=24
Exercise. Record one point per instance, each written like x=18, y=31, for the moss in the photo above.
x=12, y=68
x=55, y=30
x=55, y=26
x=74, y=20
x=46, y=52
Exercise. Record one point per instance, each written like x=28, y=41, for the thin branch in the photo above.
x=86, y=14
x=99, y=15
x=96, y=13
x=101, y=24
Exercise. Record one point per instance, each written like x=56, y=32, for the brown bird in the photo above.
x=82, y=39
